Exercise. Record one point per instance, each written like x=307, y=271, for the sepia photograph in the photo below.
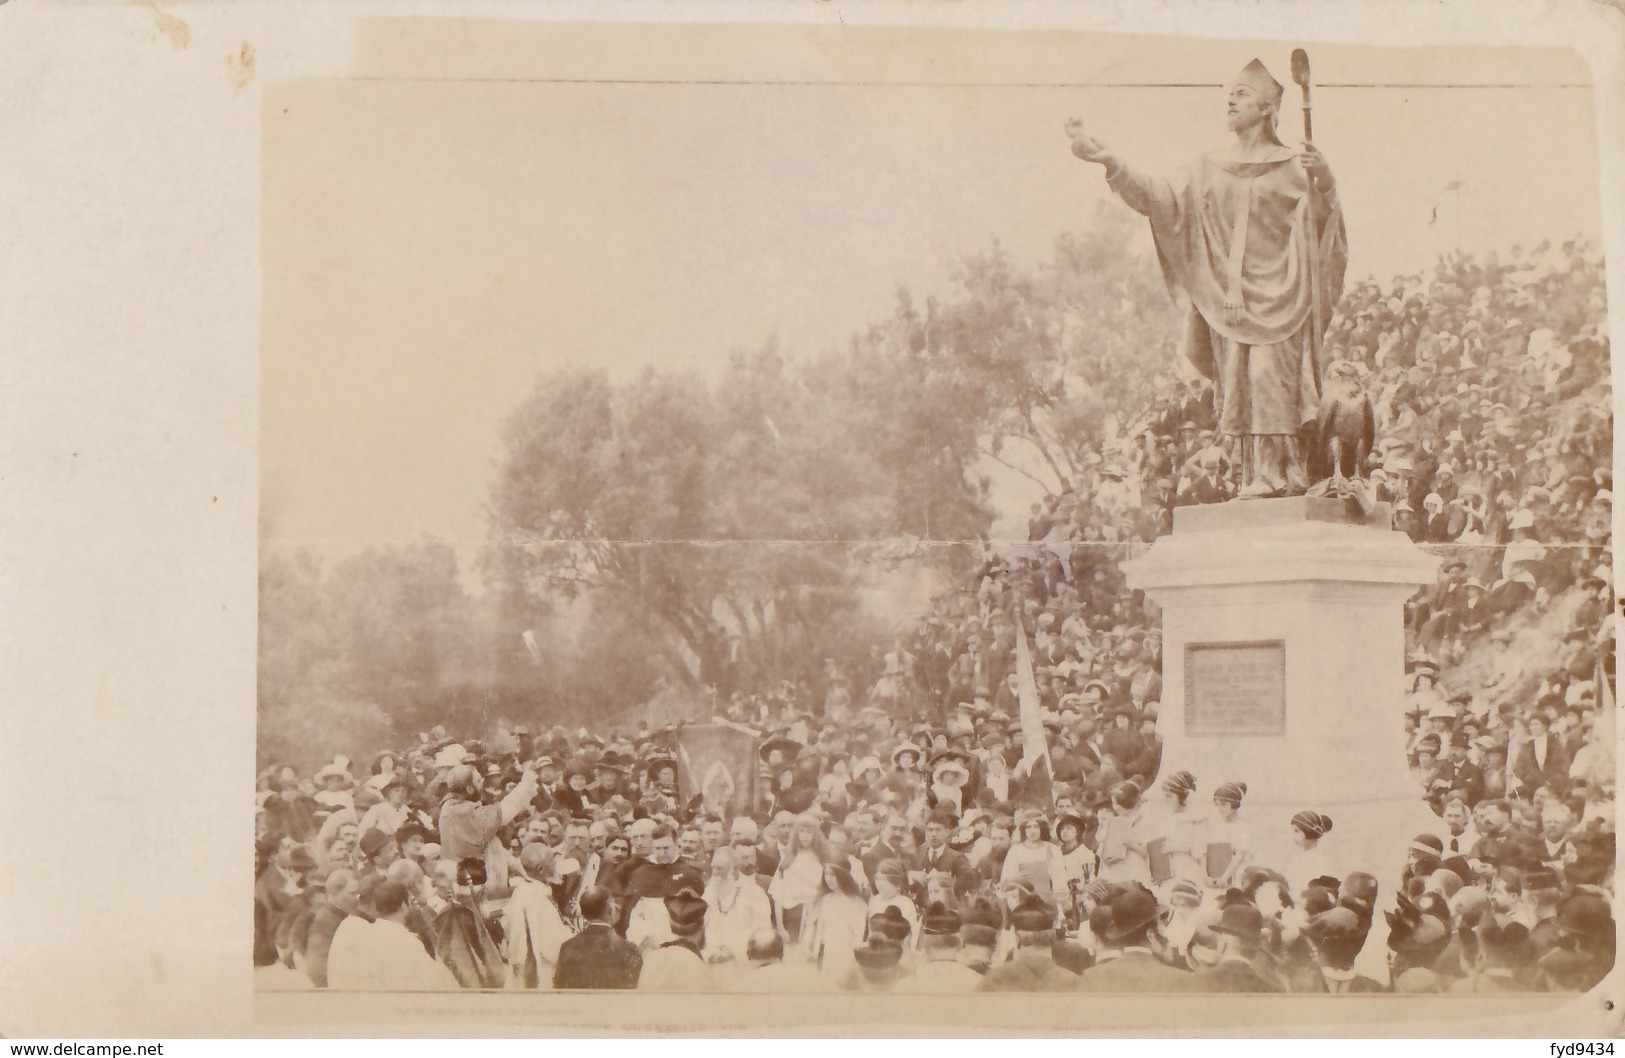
x=888, y=520
x=1054, y=513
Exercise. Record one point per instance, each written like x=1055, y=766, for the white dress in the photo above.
x=1236, y=834
x=1039, y=866
x=1118, y=861
x=1180, y=831
x=1305, y=866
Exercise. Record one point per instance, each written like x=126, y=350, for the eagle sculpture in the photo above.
x=1345, y=432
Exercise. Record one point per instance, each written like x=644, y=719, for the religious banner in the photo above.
x=716, y=763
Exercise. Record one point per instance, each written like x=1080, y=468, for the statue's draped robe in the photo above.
x=1228, y=230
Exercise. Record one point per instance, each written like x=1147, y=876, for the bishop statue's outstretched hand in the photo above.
x=1086, y=146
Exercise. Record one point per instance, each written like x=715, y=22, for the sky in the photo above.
x=431, y=247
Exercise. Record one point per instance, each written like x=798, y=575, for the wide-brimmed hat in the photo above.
x=335, y=770
x=963, y=840
x=1074, y=818
x=651, y=767
x=906, y=747
x=785, y=745
x=1132, y=910
x=613, y=761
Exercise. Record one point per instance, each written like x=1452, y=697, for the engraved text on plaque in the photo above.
x=1235, y=688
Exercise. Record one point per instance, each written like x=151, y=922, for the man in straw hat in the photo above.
x=1251, y=241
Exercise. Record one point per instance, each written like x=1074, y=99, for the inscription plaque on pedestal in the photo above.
x=1235, y=688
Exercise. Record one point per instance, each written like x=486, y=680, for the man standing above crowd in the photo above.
x=468, y=828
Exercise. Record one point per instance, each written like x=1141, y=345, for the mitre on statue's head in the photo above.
x=1254, y=76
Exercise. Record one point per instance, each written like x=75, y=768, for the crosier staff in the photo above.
x=1300, y=77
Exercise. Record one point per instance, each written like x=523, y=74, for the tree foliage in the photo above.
x=673, y=536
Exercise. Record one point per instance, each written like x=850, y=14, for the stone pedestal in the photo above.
x=1284, y=667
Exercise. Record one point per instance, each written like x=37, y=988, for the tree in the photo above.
x=1043, y=357
x=365, y=654
x=727, y=515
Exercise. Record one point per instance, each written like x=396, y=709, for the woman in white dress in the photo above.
x=1121, y=841
x=1226, y=828
x=1033, y=860
x=797, y=882
x=390, y=814
x=1079, y=865
x=1177, y=825
x=1311, y=860
x=836, y=923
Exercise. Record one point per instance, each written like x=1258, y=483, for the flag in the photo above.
x=1035, y=765
x=717, y=764
x=1601, y=772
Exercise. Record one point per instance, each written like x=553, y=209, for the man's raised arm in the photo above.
x=518, y=799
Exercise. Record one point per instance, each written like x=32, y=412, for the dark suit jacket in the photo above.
x=1030, y=971
x=1135, y=971
x=597, y=958
x=1554, y=775
x=1233, y=975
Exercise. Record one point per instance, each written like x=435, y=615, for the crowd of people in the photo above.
x=891, y=860
x=898, y=844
